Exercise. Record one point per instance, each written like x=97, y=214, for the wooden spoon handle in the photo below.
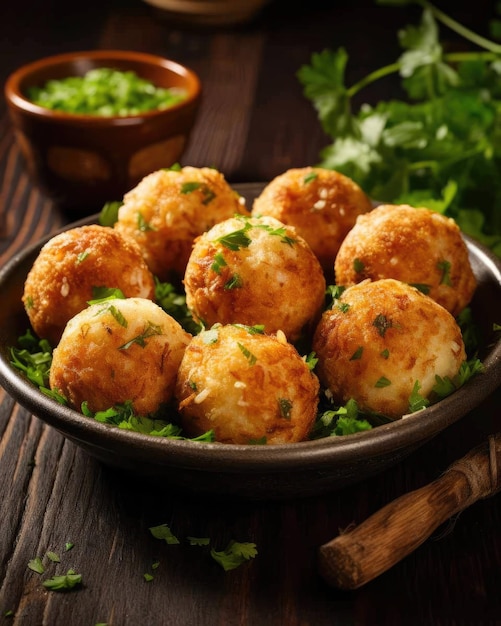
x=359, y=555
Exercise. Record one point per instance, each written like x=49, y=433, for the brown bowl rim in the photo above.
x=16, y=99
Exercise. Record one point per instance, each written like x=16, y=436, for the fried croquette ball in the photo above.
x=381, y=341
x=416, y=246
x=117, y=351
x=71, y=265
x=169, y=208
x=321, y=204
x=255, y=271
x=246, y=386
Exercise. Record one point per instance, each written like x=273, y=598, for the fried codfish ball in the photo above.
x=417, y=246
x=255, y=271
x=246, y=386
x=118, y=351
x=321, y=204
x=71, y=265
x=169, y=208
x=379, y=340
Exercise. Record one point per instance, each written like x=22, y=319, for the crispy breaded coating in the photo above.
x=321, y=204
x=119, y=351
x=417, y=246
x=68, y=267
x=381, y=338
x=255, y=271
x=169, y=208
x=246, y=386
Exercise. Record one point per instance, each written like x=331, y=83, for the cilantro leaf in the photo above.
x=441, y=146
x=36, y=565
x=323, y=83
x=234, y=554
x=63, y=583
x=164, y=532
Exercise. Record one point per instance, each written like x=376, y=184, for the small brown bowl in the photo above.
x=83, y=161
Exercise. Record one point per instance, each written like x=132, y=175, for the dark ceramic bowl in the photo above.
x=249, y=471
x=83, y=161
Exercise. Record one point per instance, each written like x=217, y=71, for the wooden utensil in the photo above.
x=355, y=557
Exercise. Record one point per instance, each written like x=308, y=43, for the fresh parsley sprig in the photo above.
x=441, y=147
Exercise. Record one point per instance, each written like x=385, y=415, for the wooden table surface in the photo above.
x=254, y=124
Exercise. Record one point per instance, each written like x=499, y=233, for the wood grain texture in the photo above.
x=253, y=124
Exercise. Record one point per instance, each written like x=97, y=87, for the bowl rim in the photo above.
x=17, y=100
x=412, y=430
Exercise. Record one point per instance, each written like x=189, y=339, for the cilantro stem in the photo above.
x=392, y=68
x=460, y=29
x=471, y=56
x=372, y=77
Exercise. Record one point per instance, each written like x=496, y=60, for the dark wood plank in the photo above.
x=253, y=124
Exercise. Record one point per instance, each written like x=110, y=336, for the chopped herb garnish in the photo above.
x=148, y=577
x=102, y=294
x=55, y=394
x=174, y=303
x=36, y=565
x=344, y=307
x=164, y=532
x=150, y=330
x=81, y=257
x=63, y=583
x=198, y=541
x=444, y=386
x=236, y=239
x=116, y=314
x=311, y=360
x=383, y=382
x=334, y=292
x=52, y=556
x=277, y=232
x=104, y=91
x=33, y=358
x=234, y=554
x=416, y=400
x=175, y=167
x=251, y=358
x=385, y=353
x=234, y=282
x=207, y=193
x=348, y=426
x=358, y=266
x=344, y=420
x=257, y=329
x=210, y=336
x=262, y=441
x=109, y=213
x=143, y=225
x=445, y=268
x=469, y=330
x=285, y=407
x=218, y=263
x=357, y=354
x=311, y=176
x=68, y=545
x=423, y=288
x=382, y=323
